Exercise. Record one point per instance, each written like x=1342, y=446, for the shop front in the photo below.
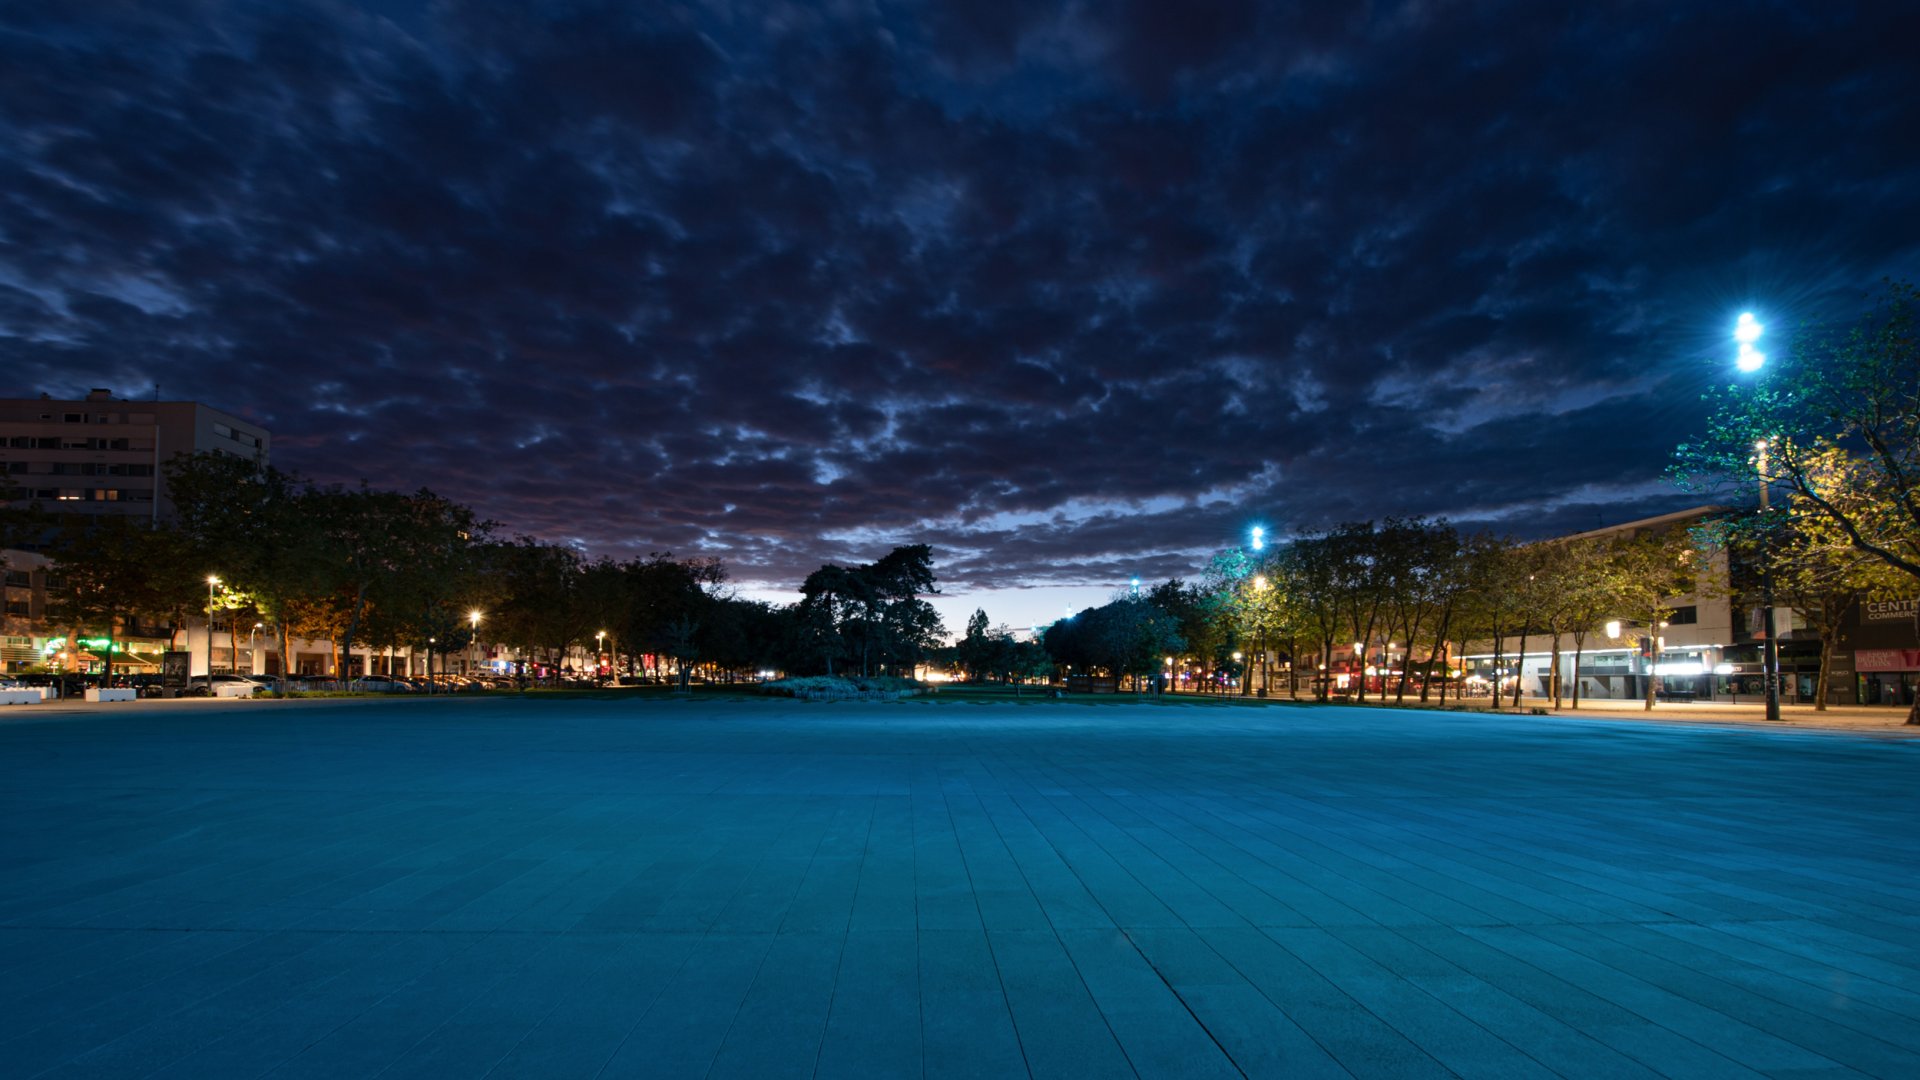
x=1887, y=676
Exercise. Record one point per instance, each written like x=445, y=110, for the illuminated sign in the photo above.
x=1889, y=610
x=54, y=645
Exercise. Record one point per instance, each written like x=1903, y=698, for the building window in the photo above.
x=19, y=608
x=1684, y=616
x=73, y=418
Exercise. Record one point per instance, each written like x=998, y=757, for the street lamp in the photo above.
x=1259, y=588
x=1771, y=656
x=473, y=637
x=599, y=648
x=1746, y=331
x=212, y=580
x=251, y=634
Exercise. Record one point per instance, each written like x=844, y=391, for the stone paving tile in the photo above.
x=492, y=888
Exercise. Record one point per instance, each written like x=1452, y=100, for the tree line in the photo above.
x=1419, y=584
x=383, y=570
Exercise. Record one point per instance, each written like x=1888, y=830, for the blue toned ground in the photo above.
x=758, y=889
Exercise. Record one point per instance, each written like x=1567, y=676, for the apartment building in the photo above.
x=106, y=455
x=96, y=456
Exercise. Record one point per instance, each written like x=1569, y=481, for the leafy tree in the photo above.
x=251, y=525
x=109, y=570
x=1854, y=391
x=975, y=650
x=1307, y=577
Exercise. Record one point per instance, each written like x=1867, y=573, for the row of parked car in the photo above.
x=199, y=686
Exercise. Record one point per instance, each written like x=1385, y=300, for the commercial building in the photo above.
x=1709, y=647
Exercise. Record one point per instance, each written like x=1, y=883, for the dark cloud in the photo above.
x=1072, y=293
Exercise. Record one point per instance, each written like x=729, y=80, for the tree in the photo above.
x=976, y=647
x=1306, y=576
x=1839, y=413
x=872, y=612
x=113, y=568
x=1650, y=570
x=252, y=526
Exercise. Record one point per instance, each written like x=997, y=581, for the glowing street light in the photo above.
x=473, y=636
x=1770, y=655
x=1259, y=538
x=1746, y=331
x=212, y=580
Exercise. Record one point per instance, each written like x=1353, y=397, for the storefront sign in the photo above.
x=1889, y=610
x=1886, y=660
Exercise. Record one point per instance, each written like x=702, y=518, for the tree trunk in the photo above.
x=1499, y=661
x=1520, y=667
x=1826, y=664
x=1653, y=656
x=1433, y=652
x=1553, y=670
x=1579, y=646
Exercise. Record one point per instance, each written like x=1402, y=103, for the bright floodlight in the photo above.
x=1746, y=331
x=1259, y=538
x=1613, y=627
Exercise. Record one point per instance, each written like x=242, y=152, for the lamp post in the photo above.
x=473, y=638
x=212, y=580
x=1260, y=612
x=599, y=649
x=251, y=662
x=1771, y=656
x=1746, y=331
x=431, y=685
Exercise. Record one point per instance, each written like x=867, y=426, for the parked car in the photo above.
x=199, y=687
x=381, y=684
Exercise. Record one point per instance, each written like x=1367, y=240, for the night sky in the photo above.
x=1072, y=292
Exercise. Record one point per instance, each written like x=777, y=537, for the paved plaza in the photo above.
x=705, y=888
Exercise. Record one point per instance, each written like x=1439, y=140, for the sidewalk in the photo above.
x=1889, y=719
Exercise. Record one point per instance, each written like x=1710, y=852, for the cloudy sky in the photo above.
x=1072, y=292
